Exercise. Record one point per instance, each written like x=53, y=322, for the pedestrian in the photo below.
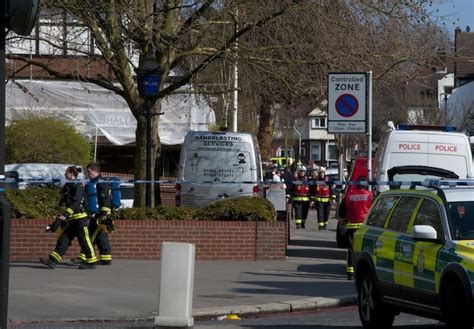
x=312, y=181
x=99, y=209
x=323, y=196
x=74, y=222
x=276, y=175
x=300, y=198
x=358, y=201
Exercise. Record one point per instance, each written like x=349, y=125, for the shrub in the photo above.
x=242, y=209
x=34, y=202
x=42, y=202
x=45, y=140
x=160, y=212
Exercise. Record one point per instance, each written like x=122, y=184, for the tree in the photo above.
x=184, y=37
x=283, y=65
x=47, y=140
x=285, y=50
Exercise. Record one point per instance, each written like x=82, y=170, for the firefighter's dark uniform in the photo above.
x=300, y=200
x=322, y=197
x=72, y=196
x=358, y=201
x=97, y=231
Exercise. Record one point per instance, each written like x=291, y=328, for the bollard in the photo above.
x=176, y=286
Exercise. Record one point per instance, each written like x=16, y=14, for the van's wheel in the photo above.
x=372, y=312
x=456, y=311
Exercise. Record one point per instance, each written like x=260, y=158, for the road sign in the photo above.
x=347, y=103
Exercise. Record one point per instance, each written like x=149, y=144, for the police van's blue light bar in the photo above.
x=405, y=126
x=448, y=182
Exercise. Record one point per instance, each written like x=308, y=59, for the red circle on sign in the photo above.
x=347, y=105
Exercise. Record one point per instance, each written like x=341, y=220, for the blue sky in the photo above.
x=455, y=13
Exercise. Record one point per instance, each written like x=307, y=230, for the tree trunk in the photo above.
x=140, y=154
x=265, y=130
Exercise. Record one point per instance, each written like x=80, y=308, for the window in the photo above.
x=315, y=153
x=318, y=122
x=460, y=219
x=303, y=151
x=429, y=215
x=402, y=214
x=379, y=213
x=282, y=153
x=331, y=152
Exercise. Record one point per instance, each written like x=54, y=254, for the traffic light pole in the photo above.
x=4, y=204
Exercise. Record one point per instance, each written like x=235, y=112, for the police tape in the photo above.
x=426, y=182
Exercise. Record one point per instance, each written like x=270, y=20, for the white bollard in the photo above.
x=176, y=285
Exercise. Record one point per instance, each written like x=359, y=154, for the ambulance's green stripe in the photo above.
x=385, y=270
x=424, y=280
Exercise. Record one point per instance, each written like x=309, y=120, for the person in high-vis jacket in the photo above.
x=73, y=223
x=99, y=209
x=300, y=197
x=357, y=201
x=323, y=195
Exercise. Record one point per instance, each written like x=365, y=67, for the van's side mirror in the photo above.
x=424, y=233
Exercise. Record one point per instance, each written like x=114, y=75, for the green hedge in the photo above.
x=43, y=203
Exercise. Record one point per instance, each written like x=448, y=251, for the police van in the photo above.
x=218, y=165
x=411, y=145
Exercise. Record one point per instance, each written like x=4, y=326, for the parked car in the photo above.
x=127, y=194
x=37, y=174
x=415, y=254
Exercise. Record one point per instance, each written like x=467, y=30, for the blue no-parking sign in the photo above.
x=347, y=103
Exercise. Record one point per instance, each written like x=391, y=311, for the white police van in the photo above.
x=218, y=165
x=411, y=145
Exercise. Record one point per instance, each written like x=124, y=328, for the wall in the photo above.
x=141, y=239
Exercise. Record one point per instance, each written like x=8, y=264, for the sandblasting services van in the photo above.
x=217, y=165
x=407, y=146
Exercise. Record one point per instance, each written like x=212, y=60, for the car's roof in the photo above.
x=452, y=194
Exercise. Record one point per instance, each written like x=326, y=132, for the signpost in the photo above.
x=347, y=103
x=350, y=107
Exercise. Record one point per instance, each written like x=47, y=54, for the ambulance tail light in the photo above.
x=177, y=197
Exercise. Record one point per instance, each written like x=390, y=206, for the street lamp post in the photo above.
x=149, y=79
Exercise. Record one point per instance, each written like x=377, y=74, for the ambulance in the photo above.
x=218, y=165
x=424, y=146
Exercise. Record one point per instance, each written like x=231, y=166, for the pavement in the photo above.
x=312, y=276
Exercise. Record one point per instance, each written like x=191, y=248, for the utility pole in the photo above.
x=235, y=79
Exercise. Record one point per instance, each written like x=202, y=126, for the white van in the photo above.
x=430, y=148
x=217, y=165
x=37, y=174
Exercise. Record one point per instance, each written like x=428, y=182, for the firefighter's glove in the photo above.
x=106, y=224
x=58, y=221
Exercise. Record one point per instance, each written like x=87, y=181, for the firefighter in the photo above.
x=358, y=201
x=323, y=196
x=99, y=209
x=300, y=197
x=73, y=223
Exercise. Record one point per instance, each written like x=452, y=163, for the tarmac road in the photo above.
x=312, y=276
